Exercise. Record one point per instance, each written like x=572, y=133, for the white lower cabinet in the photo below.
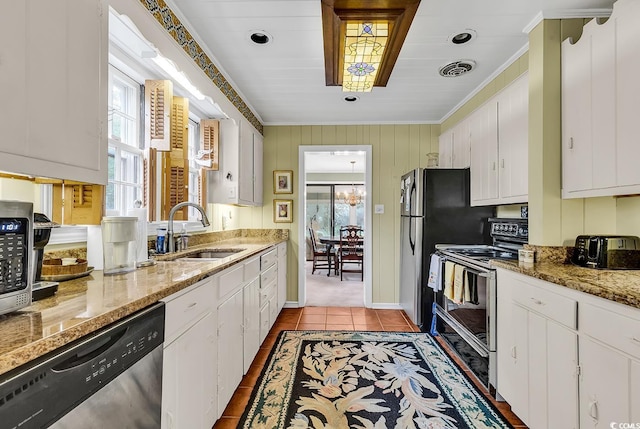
x=230, y=348
x=566, y=359
x=189, y=370
x=251, y=313
x=609, y=364
x=537, y=351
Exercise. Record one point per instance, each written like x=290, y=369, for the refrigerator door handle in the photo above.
x=412, y=193
x=412, y=242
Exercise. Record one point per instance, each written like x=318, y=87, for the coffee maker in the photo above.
x=41, y=233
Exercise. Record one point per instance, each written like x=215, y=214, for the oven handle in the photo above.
x=479, y=273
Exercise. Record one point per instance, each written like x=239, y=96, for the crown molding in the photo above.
x=566, y=14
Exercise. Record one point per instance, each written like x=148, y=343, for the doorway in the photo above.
x=340, y=176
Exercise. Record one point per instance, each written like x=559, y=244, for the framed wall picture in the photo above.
x=283, y=210
x=283, y=182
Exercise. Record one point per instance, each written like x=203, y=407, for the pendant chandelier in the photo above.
x=352, y=198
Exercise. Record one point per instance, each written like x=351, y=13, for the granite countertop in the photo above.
x=622, y=286
x=83, y=305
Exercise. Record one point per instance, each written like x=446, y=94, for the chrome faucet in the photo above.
x=171, y=245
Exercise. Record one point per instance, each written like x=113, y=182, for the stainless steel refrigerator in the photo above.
x=434, y=210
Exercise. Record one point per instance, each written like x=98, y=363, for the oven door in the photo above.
x=468, y=324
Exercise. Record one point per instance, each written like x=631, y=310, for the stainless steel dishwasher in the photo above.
x=109, y=379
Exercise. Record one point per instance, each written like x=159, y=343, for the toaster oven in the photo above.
x=16, y=242
x=613, y=252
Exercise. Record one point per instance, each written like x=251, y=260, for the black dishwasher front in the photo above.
x=111, y=378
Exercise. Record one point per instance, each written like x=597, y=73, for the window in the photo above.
x=125, y=155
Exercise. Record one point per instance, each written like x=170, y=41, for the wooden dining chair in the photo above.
x=321, y=254
x=351, y=250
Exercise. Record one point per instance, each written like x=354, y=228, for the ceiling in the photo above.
x=284, y=81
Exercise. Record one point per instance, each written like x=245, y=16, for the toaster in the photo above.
x=612, y=252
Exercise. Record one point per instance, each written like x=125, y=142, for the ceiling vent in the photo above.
x=457, y=68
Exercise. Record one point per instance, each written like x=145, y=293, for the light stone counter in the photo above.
x=86, y=304
x=552, y=265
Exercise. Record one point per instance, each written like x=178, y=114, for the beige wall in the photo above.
x=396, y=149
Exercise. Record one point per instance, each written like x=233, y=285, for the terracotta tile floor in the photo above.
x=329, y=318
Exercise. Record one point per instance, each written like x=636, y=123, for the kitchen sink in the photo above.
x=209, y=254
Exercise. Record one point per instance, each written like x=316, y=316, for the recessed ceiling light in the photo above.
x=462, y=37
x=351, y=98
x=260, y=37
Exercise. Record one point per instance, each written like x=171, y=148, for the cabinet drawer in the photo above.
x=230, y=279
x=268, y=259
x=611, y=327
x=267, y=293
x=554, y=306
x=185, y=310
x=251, y=269
x=268, y=276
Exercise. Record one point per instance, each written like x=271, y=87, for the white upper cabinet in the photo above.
x=239, y=179
x=454, y=146
x=53, y=76
x=513, y=141
x=499, y=137
x=484, y=154
x=445, y=149
x=600, y=90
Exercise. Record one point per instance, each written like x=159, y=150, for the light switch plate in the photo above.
x=378, y=209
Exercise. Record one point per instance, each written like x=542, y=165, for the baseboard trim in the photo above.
x=385, y=306
x=291, y=304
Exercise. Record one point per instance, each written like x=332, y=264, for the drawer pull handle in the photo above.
x=635, y=340
x=513, y=352
x=593, y=410
x=571, y=143
x=190, y=306
x=537, y=301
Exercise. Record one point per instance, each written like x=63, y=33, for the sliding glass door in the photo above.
x=327, y=211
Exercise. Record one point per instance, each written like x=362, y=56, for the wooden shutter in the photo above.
x=176, y=162
x=158, y=95
x=208, y=156
x=150, y=182
x=77, y=203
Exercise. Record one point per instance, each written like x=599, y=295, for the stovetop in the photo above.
x=508, y=235
x=479, y=253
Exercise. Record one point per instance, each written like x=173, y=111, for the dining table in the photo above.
x=333, y=242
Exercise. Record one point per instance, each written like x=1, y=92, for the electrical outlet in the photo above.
x=378, y=209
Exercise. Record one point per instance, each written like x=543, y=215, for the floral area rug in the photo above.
x=364, y=380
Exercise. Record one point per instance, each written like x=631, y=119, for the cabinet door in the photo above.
x=634, y=397
x=461, y=145
x=513, y=140
x=282, y=275
x=553, y=386
x=577, y=158
x=230, y=349
x=603, y=107
x=604, y=385
x=484, y=154
x=520, y=371
x=251, y=336
x=53, y=75
x=445, y=149
x=189, y=378
x=257, y=168
x=562, y=378
x=245, y=187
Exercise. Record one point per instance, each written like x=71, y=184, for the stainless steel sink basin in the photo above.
x=209, y=254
